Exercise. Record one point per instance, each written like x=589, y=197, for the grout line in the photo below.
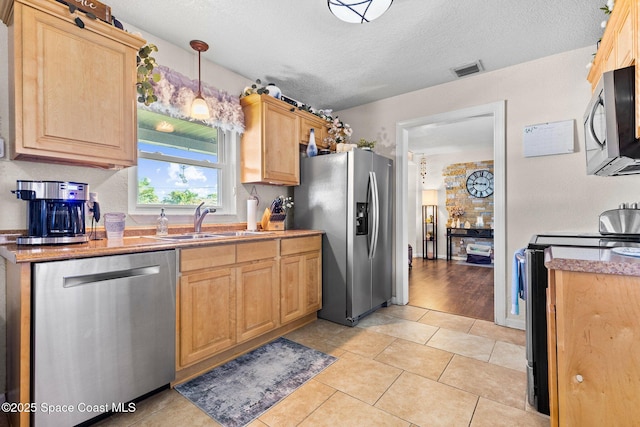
x=446, y=367
x=473, y=414
x=318, y=407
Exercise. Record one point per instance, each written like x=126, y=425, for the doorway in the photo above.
x=497, y=112
x=452, y=287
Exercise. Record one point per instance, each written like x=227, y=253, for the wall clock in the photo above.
x=480, y=183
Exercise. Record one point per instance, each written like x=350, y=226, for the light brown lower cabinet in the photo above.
x=257, y=299
x=206, y=314
x=231, y=296
x=300, y=277
x=594, y=349
x=228, y=302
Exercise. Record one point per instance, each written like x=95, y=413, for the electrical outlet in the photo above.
x=1, y=147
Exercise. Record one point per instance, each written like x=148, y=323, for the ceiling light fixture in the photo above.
x=358, y=11
x=199, y=108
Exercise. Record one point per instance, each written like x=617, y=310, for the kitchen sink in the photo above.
x=240, y=233
x=188, y=236
x=206, y=236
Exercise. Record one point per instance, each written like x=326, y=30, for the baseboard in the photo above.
x=514, y=323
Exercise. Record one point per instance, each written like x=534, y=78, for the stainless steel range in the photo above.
x=618, y=227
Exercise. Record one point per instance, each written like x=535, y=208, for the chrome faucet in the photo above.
x=198, y=217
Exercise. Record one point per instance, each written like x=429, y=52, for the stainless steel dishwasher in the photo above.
x=103, y=334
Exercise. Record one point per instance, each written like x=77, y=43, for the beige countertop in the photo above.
x=594, y=260
x=132, y=242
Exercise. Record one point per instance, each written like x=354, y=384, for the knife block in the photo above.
x=275, y=226
x=271, y=225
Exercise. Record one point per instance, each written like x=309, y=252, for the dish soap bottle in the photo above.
x=162, y=224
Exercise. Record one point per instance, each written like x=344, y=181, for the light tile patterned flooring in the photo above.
x=401, y=366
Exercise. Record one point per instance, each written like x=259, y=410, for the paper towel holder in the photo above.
x=254, y=194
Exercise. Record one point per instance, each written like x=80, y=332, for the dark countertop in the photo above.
x=593, y=260
x=129, y=244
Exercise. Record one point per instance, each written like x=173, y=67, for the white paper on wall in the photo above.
x=545, y=139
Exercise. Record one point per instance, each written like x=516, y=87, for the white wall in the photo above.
x=551, y=193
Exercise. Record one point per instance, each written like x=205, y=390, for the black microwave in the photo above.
x=610, y=126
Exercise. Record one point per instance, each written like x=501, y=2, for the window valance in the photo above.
x=176, y=93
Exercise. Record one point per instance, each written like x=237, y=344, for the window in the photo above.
x=181, y=164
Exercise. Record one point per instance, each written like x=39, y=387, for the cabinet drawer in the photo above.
x=207, y=257
x=300, y=245
x=256, y=250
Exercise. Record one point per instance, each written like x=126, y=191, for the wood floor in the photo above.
x=447, y=286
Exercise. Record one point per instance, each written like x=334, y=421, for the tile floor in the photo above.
x=402, y=366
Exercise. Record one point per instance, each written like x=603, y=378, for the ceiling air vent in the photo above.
x=467, y=69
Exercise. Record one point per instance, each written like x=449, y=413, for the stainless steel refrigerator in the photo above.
x=348, y=195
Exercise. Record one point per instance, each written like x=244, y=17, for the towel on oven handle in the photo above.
x=518, y=275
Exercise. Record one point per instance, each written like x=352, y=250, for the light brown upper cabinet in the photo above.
x=274, y=131
x=73, y=89
x=310, y=121
x=269, y=150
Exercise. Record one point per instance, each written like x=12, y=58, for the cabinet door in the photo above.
x=207, y=317
x=280, y=145
x=300, y=285
x=597, y=348
x=619, y=45
x=609, y=58
x=269, y=152
x=319, y=127
x=623, y=34
x=257, y=299
x=75, y=97
x=291, y=288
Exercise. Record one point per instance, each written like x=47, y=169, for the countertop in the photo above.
x=593, y=260
x=129, y=244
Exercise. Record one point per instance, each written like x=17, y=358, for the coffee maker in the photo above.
x=55, y=212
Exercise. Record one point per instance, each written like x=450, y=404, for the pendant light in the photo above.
x=199, y=107
x=358, y=11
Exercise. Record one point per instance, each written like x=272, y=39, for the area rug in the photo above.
x=239, y=391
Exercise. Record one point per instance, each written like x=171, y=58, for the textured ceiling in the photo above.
x=326, y=63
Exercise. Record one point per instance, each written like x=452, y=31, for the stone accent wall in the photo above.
x=455, y=181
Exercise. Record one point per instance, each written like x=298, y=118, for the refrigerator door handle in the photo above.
x=373, y=186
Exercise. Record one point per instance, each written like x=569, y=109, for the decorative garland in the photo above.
x=176, y=93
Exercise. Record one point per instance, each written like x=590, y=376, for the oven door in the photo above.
x=536, y=330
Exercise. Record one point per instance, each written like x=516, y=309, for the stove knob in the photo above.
x=623, y=206
x=634, y=205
